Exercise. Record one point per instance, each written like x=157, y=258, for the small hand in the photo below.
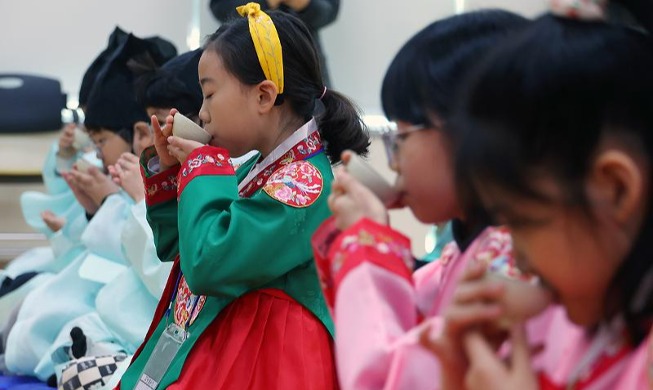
x=82, y=197
x=127, y=174
x=180, y=148
x=52, y=221
x=95, y=184
x=66, y=139
x=474, y=305
x=488, y=372
x=351, y=201
x=161, y=135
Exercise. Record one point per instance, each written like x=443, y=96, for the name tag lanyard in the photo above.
x=166, y=347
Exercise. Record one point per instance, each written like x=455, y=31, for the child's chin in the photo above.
x=583, y=315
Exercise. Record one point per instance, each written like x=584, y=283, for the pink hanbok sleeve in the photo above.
x=366, y=276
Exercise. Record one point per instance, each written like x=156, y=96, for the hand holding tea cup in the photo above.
x=364, y=173
x=81, y=139
x=523, y=298
x=180, y=148
x=66, y=140
x=95, y=184
x=473, y=306
x=161, y=134
x=487, y=371
x=82, y=165
x=82, y=197
x=351, y=201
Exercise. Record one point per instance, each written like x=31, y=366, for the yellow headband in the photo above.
x=266, y=42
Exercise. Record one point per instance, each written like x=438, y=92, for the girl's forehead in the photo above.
x=211, y=67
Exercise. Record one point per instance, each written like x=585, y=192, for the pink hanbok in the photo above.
x=380, y=307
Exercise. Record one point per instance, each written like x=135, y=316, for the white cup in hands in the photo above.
x=83, y=165
x=185, y=128
x=370, y=178
x=522, y=299
x=81, y=139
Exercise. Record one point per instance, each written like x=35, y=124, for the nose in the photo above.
x=393, y=165
x=204, y=114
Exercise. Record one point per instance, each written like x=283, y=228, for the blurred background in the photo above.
x=59, y=39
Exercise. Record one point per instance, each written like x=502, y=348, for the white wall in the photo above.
x=60, y=38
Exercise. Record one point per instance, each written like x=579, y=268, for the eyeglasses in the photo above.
x=393, y=138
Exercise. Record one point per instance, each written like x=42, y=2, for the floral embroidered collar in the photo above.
x=301, y=145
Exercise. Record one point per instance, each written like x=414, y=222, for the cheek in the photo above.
x=430, y=191
x=570, y=266
x=111, y=154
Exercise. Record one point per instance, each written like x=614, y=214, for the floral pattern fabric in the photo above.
x=302, y=151
x=187, y=305
x=298, y=184
x=205, y=160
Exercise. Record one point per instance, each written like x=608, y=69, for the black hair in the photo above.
x=127, y=134
x=426, y=73
x=339, y=122
x=173, y=85
x=541, y=104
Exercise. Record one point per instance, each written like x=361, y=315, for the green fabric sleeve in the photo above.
x=162, y=218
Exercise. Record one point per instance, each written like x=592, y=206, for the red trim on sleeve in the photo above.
x=205, y=160
x=161, y=187
x=364, y=242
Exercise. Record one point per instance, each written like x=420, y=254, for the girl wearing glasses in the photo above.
x=379, y=307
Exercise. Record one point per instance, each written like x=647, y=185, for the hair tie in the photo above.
x=589, y=10
x=266, y=42
x=323, y=93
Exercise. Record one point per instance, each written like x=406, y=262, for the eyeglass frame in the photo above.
x=392, y=135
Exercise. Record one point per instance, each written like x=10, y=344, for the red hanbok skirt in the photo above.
x=262, y=340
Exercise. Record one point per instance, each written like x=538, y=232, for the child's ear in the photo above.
x=266, y=94
x=617, y=182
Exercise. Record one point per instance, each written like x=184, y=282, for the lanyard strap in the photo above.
x=172, y=302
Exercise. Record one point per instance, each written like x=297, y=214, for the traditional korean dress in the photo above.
x=124, y=306
x=64, y=244
x=575, y=359
x=380, y=309
x=244, y=290
x=67, y=295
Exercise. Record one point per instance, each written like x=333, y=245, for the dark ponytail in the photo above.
x=341, y=126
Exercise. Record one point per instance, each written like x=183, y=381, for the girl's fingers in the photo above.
x=521, y=350
x=475, y=270
x=480, y=352
x=156, y=126
x=483, y=362
x=474, y=314
x=346, y=156
x=169, y=122
x=130, y=158
x=483, y=290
